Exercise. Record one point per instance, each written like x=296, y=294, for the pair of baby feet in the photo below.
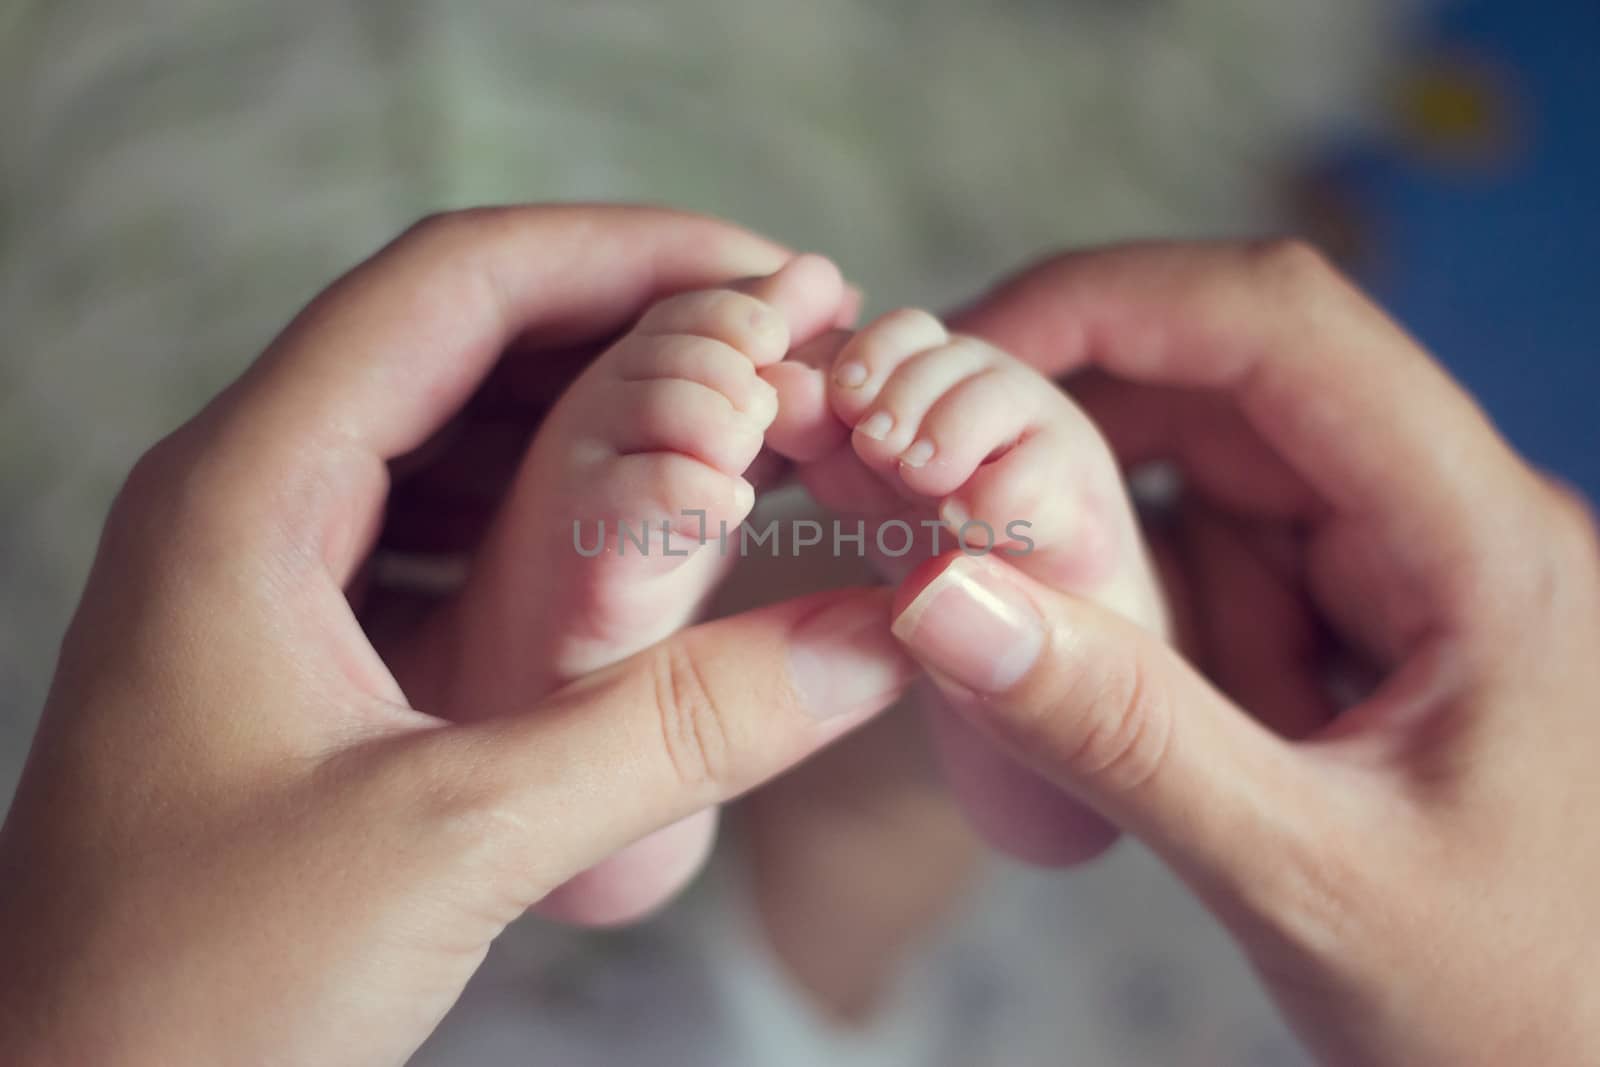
x=922, y=436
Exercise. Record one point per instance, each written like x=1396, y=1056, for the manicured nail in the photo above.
x=877, y=425
x=845, y=661
x=851, y=375
x=744, y=496
x=973, y=626
x=918, y=454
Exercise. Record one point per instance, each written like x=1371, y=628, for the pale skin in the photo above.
x=897, y=428
x=1413, y=878
x=899, y=421
x=240, y=839
x=664, y=423
x=906, y=421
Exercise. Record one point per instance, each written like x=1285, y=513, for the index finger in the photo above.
x=399, y=343
x=383, y=358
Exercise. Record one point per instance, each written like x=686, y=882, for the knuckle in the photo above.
x=147, y=481
x=1308, y=907
x=734, y=321
x=470, y=816
x=1540, y=584
x=1290, y=266
x=447, y=227
x=154, y=500
x=431, y=228
x=1129, y=740
x=1126, y=730
x=196, y=496
x=1571, y=569
x=1575, y=519
x=462, y=243
x=695, y=737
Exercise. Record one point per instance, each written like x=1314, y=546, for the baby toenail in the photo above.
x=744, y=496
x=765, y=321
x=877, y=426
x=851, y=375
x=954, y=515
x=762, y=407
x=917, y=454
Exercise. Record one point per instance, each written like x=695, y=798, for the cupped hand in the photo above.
x=1413, y=874
x=239, y=838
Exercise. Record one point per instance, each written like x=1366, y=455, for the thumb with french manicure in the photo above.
x=1103, y=709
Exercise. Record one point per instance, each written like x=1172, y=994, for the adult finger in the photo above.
x=689, y=723
x=805, y=294
x=1261, y=640
x=381, y=359
x=1348, y=402
x=1110, y=713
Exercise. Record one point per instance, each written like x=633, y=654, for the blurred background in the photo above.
x=178, y=176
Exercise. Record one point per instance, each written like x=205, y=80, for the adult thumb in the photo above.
x=1111, y=714
x=691, y=722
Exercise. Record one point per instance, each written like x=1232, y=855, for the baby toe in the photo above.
x=840, y=482
x=1060, y=525
x=805, y=427
x=808, y=292
x=695, y=498
x=1055, y=507
x=742, y=322
x=714, y=364
x=677, y=415
x=890, y=434
x=872, y=356
x=974, y=420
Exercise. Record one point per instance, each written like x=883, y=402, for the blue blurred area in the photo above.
x=1493, y=261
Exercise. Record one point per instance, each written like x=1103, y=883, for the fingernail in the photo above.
x=851, y=375
x=973, y=626
x=763, y=406
x=918, y=454
x=845, y=661
x=877, y=426
x=744, y=496
x=955, y=516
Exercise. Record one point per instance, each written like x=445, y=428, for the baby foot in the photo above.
x=905, y=422
x=599, y=556
x=947, y=436
x=660, y=428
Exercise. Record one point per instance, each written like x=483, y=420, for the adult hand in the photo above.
x=1413, y=877
x=237, y=840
